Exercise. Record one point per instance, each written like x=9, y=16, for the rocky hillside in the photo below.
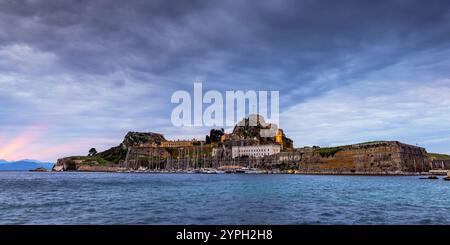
x=112, y=156
x=251, y=128
x=137, y=138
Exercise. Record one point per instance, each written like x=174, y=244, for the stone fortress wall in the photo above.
x=372, y=157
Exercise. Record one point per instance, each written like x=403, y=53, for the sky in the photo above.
x=81, y=74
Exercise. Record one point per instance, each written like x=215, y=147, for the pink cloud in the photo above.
x=13, y=149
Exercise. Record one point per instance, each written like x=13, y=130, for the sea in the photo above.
x=148, y=198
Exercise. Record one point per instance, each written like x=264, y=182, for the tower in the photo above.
x=279, y=137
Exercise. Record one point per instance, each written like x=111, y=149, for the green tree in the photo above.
x=92, y=152
x=216, y=134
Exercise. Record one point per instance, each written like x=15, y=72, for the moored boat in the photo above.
x=430, y=177
x=448, y=176
x=241, y=170
x=254, y=171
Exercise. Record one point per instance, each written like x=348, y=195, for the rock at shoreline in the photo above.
x=40, y=169
x=111, y=157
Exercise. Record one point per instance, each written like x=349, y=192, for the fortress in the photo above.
x=379, y=157
x=245, y=147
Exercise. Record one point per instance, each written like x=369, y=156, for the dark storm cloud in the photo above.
x=296, y=38
x=92, y=36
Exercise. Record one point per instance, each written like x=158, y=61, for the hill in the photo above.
x=24, y=165
x=112, y=156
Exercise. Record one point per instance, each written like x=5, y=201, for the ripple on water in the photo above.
x=112, y=198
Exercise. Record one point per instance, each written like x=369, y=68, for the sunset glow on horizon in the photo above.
x=35, y=142
x=14, y=148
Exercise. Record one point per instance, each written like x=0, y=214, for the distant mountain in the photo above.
x=24, y=165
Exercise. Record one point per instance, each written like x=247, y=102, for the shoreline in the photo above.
x=260, y=172
x=234, y=173
x=247, y=171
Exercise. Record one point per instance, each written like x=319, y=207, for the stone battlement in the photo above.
x=379, y=156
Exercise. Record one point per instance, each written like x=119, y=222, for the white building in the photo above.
x=255, y=150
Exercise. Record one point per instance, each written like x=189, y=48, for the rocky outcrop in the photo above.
x=68, y=164
x=89, y=164
x=251, y=128
x=148, y=157
x=111, y=157
x=139, y=138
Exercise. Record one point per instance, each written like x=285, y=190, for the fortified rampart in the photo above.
x=372, y=157
x=441, y=164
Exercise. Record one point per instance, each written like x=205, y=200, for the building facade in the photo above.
x=257, y=151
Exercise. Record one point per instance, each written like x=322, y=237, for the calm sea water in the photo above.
x=120, y=198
